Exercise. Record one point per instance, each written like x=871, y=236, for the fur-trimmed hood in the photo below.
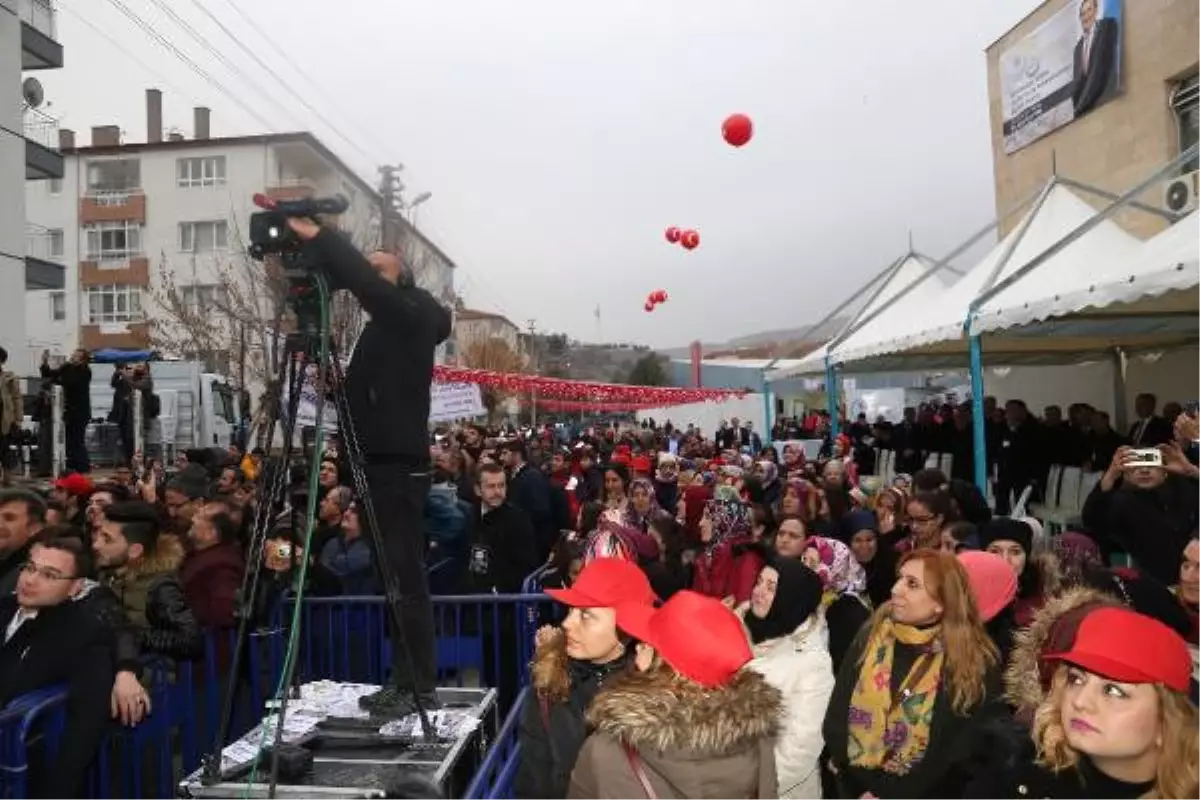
x=548, y=669
x=168, y=555
x=1023, y=687
x=662, y=713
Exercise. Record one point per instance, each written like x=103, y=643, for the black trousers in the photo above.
x=74, y=431
x=399, y=497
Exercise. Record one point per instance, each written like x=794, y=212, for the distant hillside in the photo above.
x=779, y=343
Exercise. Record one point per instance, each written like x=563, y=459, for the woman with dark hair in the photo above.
x=570, y=665
x=616, y=488
x=928, y=514
x=1037, y=578
x=668, y=573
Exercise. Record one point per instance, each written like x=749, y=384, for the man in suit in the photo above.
x=50, y=640
x=529, y=490
x=1095, y=57
x=1150, y=430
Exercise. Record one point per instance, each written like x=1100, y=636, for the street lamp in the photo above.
x=412, y=207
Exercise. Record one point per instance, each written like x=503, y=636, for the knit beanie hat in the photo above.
x=1006, y=529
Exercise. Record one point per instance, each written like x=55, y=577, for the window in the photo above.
x=205, y=171
x=113, y=241
x=113, y=303
x=1187, y=116
x=54, y=237
x=203, y=298
x=114, y=177
x=58, y=306
x=203, y=237
x=55, y=186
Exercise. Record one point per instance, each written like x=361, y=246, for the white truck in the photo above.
x=197, y=408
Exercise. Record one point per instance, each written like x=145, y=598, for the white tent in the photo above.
x=910, y=270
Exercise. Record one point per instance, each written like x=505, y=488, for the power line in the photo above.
x=224, y=60
x=267, y=68
x=183, y=57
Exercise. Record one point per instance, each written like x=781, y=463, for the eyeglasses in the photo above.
x=48, y=573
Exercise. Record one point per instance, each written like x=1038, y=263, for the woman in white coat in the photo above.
x=791, y=650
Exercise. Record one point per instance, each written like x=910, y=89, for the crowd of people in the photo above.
x=734, y=619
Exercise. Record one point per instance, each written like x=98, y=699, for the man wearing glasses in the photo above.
x=48, y=640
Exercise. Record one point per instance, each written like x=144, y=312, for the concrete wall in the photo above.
x=12, y=181
x=1117, y=144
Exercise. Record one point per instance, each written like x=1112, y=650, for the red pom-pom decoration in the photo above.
x=690, y=240
x=672, y=234
x=737, y=129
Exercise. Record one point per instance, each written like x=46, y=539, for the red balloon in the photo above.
x=660, y=296
x=672, y=234
x=737, y=129
x=649, y=306
x=689, y=239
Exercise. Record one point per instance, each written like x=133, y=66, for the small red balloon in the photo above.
x=649, y=306
x=690, y=240
x=660, y=296
x=672, y=234
x=737, y=129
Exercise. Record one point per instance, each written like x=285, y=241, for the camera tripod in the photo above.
x=312, y=346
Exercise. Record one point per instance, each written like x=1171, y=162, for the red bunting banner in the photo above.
x=575, y=406
x=563, y=389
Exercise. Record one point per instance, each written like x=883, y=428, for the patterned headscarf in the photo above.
x=1077, y=555
x=770, y=472
x=633, y=518
x=839, y=569
x=730, y=517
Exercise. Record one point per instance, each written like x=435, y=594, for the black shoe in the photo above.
x=393, y=702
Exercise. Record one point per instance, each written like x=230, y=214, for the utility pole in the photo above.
x=533, y=367
x=390, y=201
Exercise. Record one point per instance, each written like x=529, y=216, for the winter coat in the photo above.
x=12, y=409
x=798, y=665
x=154, y=600
x=691, y=741
x=211, y=579
x=730, y=569
x=103, y=606
x=552, y=727
x=76, y=380
x=1151, y=525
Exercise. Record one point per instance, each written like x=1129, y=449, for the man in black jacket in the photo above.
x=49, y=640
x=22, y=516
x=529, y=490
x=75, y=377
x=387, y=386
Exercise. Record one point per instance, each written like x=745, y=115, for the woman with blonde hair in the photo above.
x=1114, y=720
x=915, y=689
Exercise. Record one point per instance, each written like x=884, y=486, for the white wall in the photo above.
x=1053, y=385
x=45, y=209
x=706, y=416
x=12, y=182
x=1170, y=376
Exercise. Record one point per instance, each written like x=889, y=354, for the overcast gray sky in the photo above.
x=559, y=139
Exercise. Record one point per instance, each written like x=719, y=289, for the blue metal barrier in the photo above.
x=479, y=638
x=496, y=774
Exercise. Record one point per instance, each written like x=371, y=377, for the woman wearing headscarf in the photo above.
x=691, y=722
x=768, y=476
x=727, y=565
x=1077, y=555
x=1037, y=576
x=916, y=689
x=643, y=504
x=846, y=606
x=859, y=529
x=691, y=509
x=1110, y=720
x=797, y=498
x=570, y=665
x=666, y=480
x=787, y=632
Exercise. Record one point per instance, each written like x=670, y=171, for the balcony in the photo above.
x=102, y=204
x=119, y=335
x=43, y=259
x=291, y=189
x=131, y=271
x=39, y=36
x=43, y=161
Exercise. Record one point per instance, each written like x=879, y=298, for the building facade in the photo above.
x=135, y=224
x=29, y=156
x=1116, y=143
x=471, y=326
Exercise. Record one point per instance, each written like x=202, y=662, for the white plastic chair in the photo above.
x=1069, y=502
x=1053, y=480
x=946, y=464
x=931, y=461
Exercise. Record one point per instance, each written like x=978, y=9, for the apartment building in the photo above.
x=29, y=156
x=471, y=325
x=128, y=219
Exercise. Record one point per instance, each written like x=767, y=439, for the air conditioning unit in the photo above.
x=1179, y=194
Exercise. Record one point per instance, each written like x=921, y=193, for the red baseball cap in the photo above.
x=1124, y=645
x=697, y=635
x=607, y=583
x=74, y=484
x=639, y=464
x=993, y=583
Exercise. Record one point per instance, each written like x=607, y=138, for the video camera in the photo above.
x=269, y=231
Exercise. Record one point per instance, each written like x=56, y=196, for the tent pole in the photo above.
x=1120, y=417
x=831, y=398
x=978, y=423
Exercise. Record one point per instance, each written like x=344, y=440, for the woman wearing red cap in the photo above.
x=916, y=688
x=570, y=665
x=691, y=722
x=1114, y=719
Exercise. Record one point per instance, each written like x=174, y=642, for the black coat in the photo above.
x=529, y=490
x=1090, y=81
x=387, y=385
x=503, y=550
x=10, y=568
x=76, y=380
x=62, y=645
x=1153, y=526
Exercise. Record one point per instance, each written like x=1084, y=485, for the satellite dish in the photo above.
x=32, y=92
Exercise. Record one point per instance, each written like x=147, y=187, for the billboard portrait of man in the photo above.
x=1096, y=54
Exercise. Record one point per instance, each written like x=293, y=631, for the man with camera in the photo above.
x=387, y=386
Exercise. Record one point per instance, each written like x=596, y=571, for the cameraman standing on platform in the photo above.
x=387, y=387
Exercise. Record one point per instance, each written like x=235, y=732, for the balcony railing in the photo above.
x=40, y=15
x=104, y=196
x=40, y=128
x=44, y=244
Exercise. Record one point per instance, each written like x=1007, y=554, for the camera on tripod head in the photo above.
x=269, y=231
